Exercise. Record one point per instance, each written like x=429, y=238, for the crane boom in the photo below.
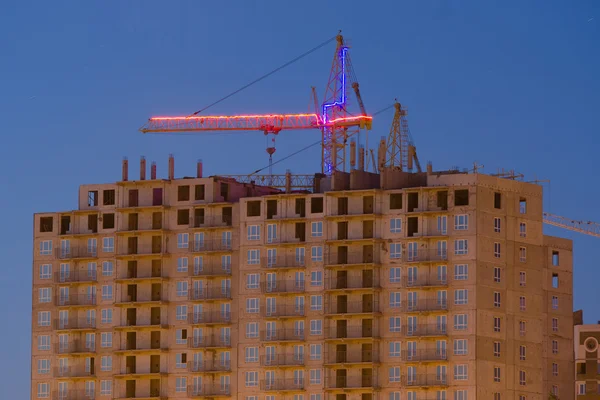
x=585, y=227
x=266, y=123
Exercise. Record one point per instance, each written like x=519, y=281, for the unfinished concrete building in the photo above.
x=424, y=286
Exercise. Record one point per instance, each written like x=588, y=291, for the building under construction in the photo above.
x=431, y=285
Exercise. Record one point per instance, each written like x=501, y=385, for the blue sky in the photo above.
x=507, y=84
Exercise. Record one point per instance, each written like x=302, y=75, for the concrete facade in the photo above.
x=440, y=286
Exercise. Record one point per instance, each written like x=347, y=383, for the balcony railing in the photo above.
x=209, y=245
x=352, y=282
x=353, y=308
x=141, y=250
x=425, y=282
x=76, y=252
x=75, y=276
x=426, y=305
x=284, y=311
x=76, y=300
x=200, y=342
x=75, y=323
x=283, y=334
x=423, y=255
x=353, y=332
x=209, y=366
x=425, y=330
x=140, y=347
x=148, y=324
x=210, y=221
x=425, y=380
x=282, y=385
x=216, y=269
x=209, y=390
x=351, y=357
x=350, y=258
x=74, y=372
x=145, y=274
x=209, y=317
x=425, y=355
x=210, y=293
x=75, y=347
x=74, y=395
x=282, y=360
x=290, y=261
x=286, y=286
x=351, y=383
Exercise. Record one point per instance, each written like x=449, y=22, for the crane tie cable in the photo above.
x=266, y=75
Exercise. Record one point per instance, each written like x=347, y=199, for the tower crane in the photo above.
x=399, y=151
x=333, y=118
x=585, y=227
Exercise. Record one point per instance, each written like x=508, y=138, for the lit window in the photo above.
x=45, y=271
x=496, y=224
x=460, y=322
x=317, y=229
x=316, y=327
x=395, y=275
x=395, y=251
x=316, y=253
x=523, y=229
x=253, y=257
x=460, y=347
x=253, y=232
x=108, y=244
x=461, y=222
x=46, y=248
x=460, y=296
x=497, y=249
x=181, y=312
x=461, y=247
x=395, y=225
x=182, y=240
x=461, y=272
x=460, y=372
x=316, y=278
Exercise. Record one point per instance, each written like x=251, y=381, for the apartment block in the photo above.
x=428, y=286
x=587, y=363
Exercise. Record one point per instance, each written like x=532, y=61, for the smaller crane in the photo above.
x=400, y=151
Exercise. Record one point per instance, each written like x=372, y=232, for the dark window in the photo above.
x=301, y=207
x=271, y=208
x=497, y=200
x=108, y=221
x=183, y=217
x=316, y=205
x=461, y=197
x=227, y=216
x=395, y=201
x=442, y=199
x=108, y=197
x=183, y=193
x=413, y=201
x=46, y=224
x=253, y=208
x=199, y=192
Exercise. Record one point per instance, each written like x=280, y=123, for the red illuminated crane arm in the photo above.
x=265, y=123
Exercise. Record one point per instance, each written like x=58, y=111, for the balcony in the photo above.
x=283, y=262
x=283, y=287
x=74, y=372
x=423, y=255
x=81, y=300
x=282, y=360
x=352, y=357
x=144, y=275
x=216, y=269
x=210, y=246
x=284, y=311
x=425, y=355
x=141, y=250
x=353, y=308
x=425, y=282
x=209, y=391
x=208, y=341
x=425, y=330
x=425, y=381
x=74, y=323
x=366, y=382
x=209, y=366
x=214, y=317
x=423, y=305
x=74, y=395
x=357, y=258
x=154, y=299
x=75, y=347
x=282, y=335
x=200, y=221
x=282, y=385
x=352, y=283
x=353, y=332
x=75, y=277
x=72, y=253
x=210, y=293
x=134, y=325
